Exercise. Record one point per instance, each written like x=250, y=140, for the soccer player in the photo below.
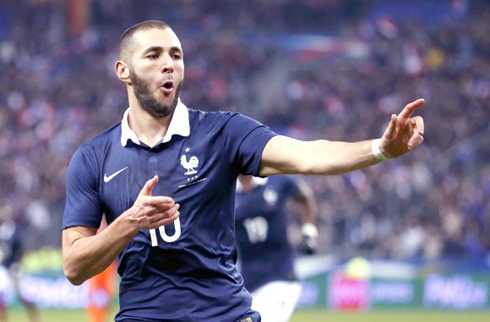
x=265, y=253
x=11, y=251
x=165, y=179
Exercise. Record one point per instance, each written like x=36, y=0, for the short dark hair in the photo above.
x=125, y=42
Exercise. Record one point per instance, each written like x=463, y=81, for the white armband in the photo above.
x=376, y=151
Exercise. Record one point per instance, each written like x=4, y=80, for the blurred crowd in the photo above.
x=58, y=89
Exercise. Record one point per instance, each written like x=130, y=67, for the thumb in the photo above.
x=149, y=185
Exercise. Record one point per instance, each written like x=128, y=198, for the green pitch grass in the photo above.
x=303, y=315
x=391, y=315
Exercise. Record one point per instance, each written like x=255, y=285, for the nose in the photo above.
x=168, y=64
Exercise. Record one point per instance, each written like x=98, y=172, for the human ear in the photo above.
x=122, y=71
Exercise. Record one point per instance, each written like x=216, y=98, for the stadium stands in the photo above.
x=348, y=67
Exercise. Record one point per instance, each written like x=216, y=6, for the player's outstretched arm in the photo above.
x=86, y=254
x=283, y=155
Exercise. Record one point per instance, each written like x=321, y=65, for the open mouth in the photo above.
x=167, y=87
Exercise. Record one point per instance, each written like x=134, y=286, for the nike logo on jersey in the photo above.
x=109, y=178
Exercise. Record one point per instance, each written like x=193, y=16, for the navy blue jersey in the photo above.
x=184, y=271
x=10, y=243
x=261, y=231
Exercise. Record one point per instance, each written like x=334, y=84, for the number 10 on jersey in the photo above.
x=163, y=234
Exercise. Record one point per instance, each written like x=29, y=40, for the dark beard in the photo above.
x=147, y=100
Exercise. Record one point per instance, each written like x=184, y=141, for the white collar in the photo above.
x=256, y=181
x=179, y=125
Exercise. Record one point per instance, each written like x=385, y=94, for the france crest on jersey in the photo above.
x=184, y=271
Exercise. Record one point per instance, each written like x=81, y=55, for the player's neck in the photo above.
x=149, y=129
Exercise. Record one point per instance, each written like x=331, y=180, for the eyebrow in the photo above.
x=160, y=49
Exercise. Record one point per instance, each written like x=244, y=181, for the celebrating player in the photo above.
x=165, y=179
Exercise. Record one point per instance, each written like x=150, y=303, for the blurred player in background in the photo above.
x=11, y=251
x=165, y=178
x=265, y=254
x=101, y=294
x=101, y=290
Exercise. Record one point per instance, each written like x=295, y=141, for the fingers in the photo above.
x=391, y=130
x=159, y=200
x=149, y=211
x=149, y=185
x=148, y=216
x=410, y=108
x=169, y=217
x=415, y=141
x=418, y=132
x=418, y=124
x=162, y=206
x=155, y=204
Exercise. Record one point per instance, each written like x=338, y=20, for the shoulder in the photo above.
x=233, y=122
x=219, y=116
x=109, y=136
x=103, y=140
x=205, y=123
x=214, y=117
x=91, y=152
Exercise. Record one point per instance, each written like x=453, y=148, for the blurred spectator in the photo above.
x=336, y=65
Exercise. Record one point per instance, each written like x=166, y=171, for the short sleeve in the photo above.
x=83, y=205
x=245, y=139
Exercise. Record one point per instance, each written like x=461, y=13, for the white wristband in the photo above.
x=309, y=230
x=376, y=151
